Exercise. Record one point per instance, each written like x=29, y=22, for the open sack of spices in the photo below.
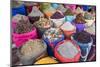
x=35, y=14
x=89, y=18
x=52, y=33
x=43, y=24
x=68, y=29
x=85, y=41
x=57, y=18
x=67, y=51
x=31, y=51
x=23, y=30
x=52, y=36
x=79, y=22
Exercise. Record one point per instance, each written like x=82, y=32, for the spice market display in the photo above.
x=52, y=33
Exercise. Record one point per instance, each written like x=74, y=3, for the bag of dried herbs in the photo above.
x=89, y=18
x=53, y=36
x=68, y=29
x=57, y=18
x=42, y=25
x=79, y=10
x=23, y=26
x=79, y=22
x=32, y=51
x=85, y=41
x=35, y=14
x=67, y=51
x=23, y=31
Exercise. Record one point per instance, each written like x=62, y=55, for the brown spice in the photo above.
x=23, y=26
x=80, y=19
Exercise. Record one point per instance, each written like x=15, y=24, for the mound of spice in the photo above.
x=58, y=19
x=33, y=48
x=18, y=17
x=23, y=26
x=67, y=50
x=91, y=29
x=67, y=27
x=53, y=34
x=35, y=14
x=57, y=15
x=43, y=23
x=82, y=37
x=47, y=9
x=69, y=15
x=88, y=16
x=46, y=60
x=79, y=10
x=31, y=51
x=80, y=19
x=69, y=12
